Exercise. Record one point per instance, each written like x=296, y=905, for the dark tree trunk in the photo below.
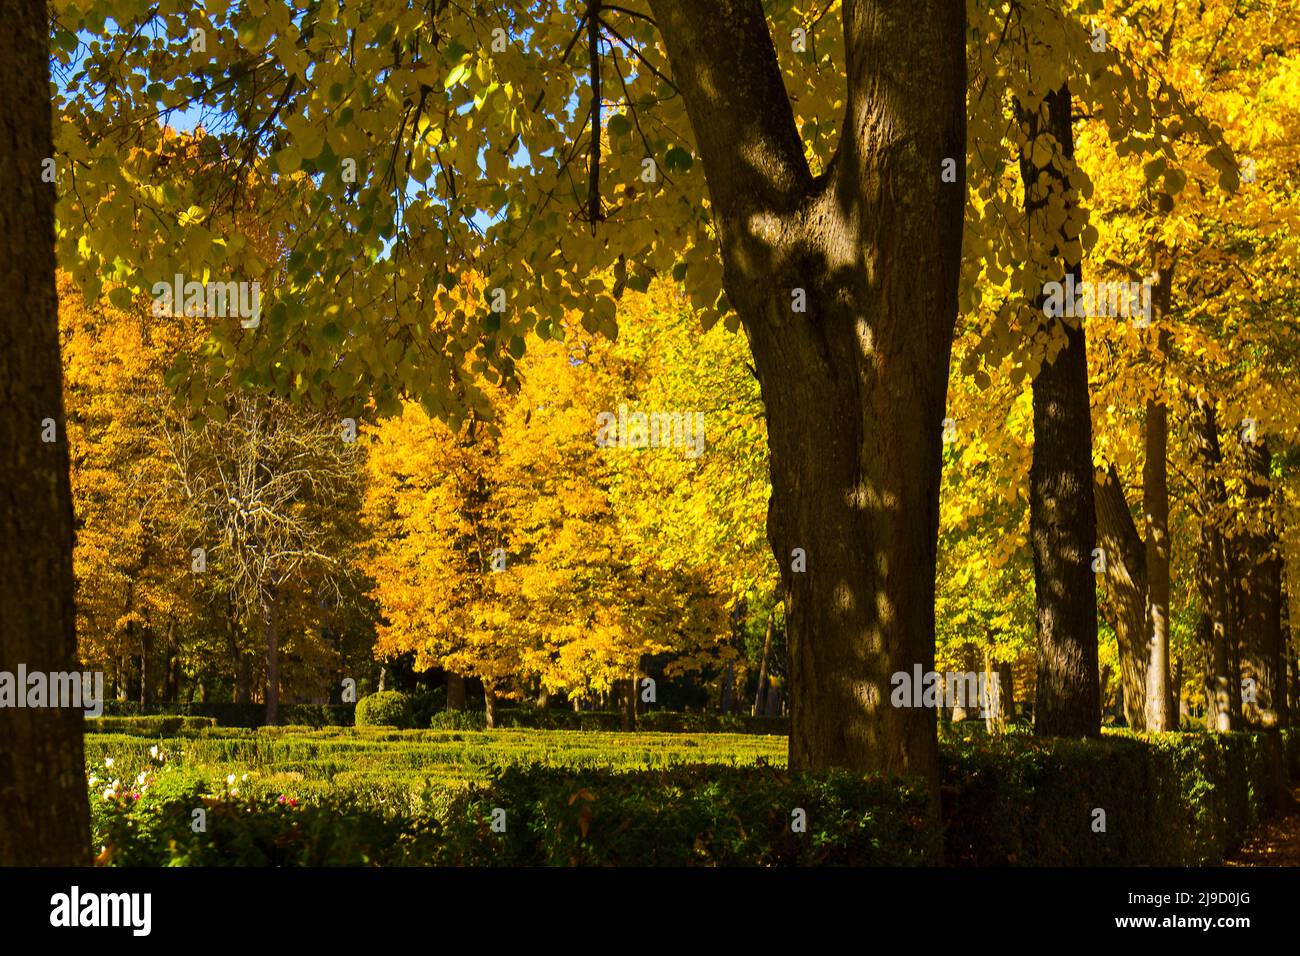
x=44, y=813
x=854, y=385
x=762, y=667
x=1125, y=584
x=1216, y=626
x=490, y=704
x=238, y=659
x=1062, y=517
x=455, y=691
x=272, y=630
x=629, y=703
x=1258, y=565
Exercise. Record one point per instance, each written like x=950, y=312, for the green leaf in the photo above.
x=121, y=298
x=458, y=73
x=677, y=160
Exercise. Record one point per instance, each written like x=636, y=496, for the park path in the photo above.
x=1274, y=842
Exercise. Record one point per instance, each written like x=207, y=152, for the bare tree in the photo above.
x=265, y=493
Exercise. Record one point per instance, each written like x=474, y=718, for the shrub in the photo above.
x=426, y=702
x=239, y=715
x=701, y=815
x=1169, y=799
x=388, y=708
x=147, y=726
x=459, y=720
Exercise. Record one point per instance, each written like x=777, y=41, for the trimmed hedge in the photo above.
x=388, y=708
x=428, y=710
x=696, y=815
x=147, y=726
x=239, y=715
x=1169, y=799
x=661, y=721
x=701, y=815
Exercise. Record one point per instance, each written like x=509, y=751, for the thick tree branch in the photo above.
x=725, y=65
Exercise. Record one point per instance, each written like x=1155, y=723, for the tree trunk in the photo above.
x=44, y=813
x=847, y=287
x=1062, y=517
x=629, y=704
x=1155, y=509
x=762, y=667
x=1124, y=582
x=490, y=704
x=272, y=630
x=1176, y=693
x=455, y=691
x=239, y=660
x=1216, y=625
x=1258, y=567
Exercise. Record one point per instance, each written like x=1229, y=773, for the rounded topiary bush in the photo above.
x=388, y=708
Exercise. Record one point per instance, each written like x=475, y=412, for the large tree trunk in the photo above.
x=1125, y=585
x=1212, y=577
x=1062, y=517
x=847, y=287
x=44, y=814
x=1258, y=566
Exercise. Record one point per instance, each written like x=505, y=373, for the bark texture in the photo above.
x=1161, y=715
x=1258, y=571
x=1062, y=516
x=854, y=386
x=1222, y=693
x=1124, y=582
x=44, y=813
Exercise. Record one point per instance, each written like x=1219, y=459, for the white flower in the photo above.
x=153, y=751
x=93, y=780
x=231, y=780
x=140, y=779
x=244, y=778
x=108, y=793
x=108, y=761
